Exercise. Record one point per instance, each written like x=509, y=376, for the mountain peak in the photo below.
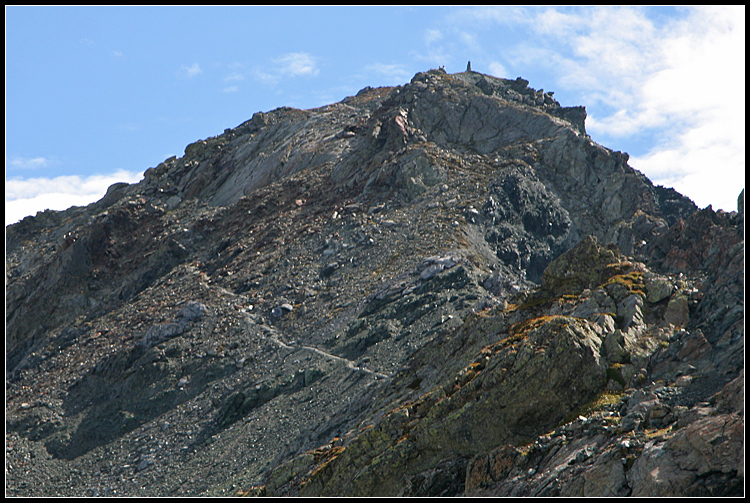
x=384, y=119
x=388, y=295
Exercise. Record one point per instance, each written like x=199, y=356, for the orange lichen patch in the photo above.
x=325, y=454
x=616, y=269
x=663, y=433
x=426, y=401
x=522, y=328
x=524, y=449
x=484, y=313
x=511, y=307
x=253, y=492
x=466, y=375
x=518, y=332
x=633, y=281
x=541, y=299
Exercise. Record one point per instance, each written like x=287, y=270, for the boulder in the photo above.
x=658, y=289
x=191, y=311
x=584, y=266
x=160, y=333
x=281, y=310
x=677, y=312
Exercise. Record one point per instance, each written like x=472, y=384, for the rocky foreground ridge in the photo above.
x=441, y=288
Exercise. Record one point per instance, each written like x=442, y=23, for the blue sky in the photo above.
x=96, y=95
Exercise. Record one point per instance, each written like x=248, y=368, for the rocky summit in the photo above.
x=436, y=289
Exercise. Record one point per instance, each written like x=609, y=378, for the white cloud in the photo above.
x=707, y=174
x=552, y=22
x=678, y=78
x=483, y=16
x=27, y=196
x=696, y=93
x=498, y=70
x=293, y=64
x=297, y=64
x=191, y=71
x=231, y=89
x=29, y=162
x=266, y=77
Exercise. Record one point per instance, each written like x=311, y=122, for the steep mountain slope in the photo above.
x=439, y=288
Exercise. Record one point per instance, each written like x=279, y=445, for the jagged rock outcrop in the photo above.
x=440, y=288
x=593, y=363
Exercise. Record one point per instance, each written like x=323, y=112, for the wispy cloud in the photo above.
x=296, y=64
x=498, y=70
x=190, y=71
x=234, y=77
x=442, y=45
x=668, y=79
x=28, y=163
x=293, y=64
x=27, y=196
x=436, y=50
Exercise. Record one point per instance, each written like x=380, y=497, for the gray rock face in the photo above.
x=442, y=288
x=700, y=460
x=524, y=222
